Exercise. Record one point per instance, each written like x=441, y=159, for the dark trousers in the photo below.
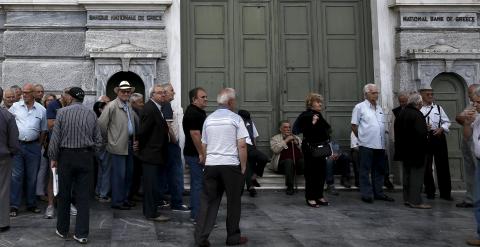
x=413, y=172
x=372, y=162
x=5, y=177
x=136, y=177
x=74, y=169
x=290, y=169
x=256, y=164
x=356, y=165
x=315, y=173
x=437, y=149
x=218, y=179
x=151, y=190
x=340, y=166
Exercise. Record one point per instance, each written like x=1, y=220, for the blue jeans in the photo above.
x=25, y=165
x=172, y=176
x=104, y=174
x=371, y=161
x=121, y=176
x=196, y=183
x=476, y=202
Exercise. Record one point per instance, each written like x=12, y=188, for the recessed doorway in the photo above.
x=132, y=78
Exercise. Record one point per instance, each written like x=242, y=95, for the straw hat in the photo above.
x=124, y=85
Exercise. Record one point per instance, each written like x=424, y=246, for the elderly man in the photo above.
x=31, y=121
x=469, y=161
x=402, y=103
x=223, y=138
x=118, y=125
x=438, y=124
x=368, y=125
x=410, y=140
x=8, y=98
x=287, y=155
x=18, y=92
x=471, y=130
x=8, y=147
x=38, y=92
x=153, y=146
x=72, y=150
x=137, y=102
x=193, y=120
x=173, y=175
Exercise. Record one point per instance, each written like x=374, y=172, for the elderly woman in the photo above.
x=316, y=131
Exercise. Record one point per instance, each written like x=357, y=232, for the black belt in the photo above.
x=80, y=150
x=28, y=142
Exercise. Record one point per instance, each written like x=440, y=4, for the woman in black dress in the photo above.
x=315, y=131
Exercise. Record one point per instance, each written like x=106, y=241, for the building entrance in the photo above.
x=132, y=78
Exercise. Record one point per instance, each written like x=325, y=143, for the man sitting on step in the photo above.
x=287, y=155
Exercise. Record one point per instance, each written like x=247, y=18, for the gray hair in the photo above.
x=403, y=94
x=135, y=96
x=225, y=95
x=15, y=87
x=152, y=89
x=38, y=85
x=368, y=88
x=415, y=99
x=477, y=91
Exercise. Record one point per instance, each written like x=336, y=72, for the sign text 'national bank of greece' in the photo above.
x=125, y=19
x=439, y=20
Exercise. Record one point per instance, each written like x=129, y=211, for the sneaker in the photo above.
x=73, y=210
x=80, y=240
x=164, y=204
x=49, y=212
x=181, y=208
x=104, y=199
x=60, y=235
x=332, y=191
x=34, y=210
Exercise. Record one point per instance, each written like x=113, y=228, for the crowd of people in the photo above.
x=127, y=150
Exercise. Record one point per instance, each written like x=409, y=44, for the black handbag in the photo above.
x=320, y=150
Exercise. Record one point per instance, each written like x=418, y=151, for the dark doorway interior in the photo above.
x=131, y=77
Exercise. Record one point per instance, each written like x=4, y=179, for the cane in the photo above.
x=294, y=168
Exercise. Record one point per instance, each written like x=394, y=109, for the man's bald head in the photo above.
x=471, y=90
x=28, y=93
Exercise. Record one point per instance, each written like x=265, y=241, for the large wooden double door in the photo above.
x=274, y=52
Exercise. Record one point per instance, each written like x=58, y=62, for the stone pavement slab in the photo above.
x=271, y=219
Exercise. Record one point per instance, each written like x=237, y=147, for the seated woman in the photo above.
x=256, y=160
x=316, y=134
x=287, y=155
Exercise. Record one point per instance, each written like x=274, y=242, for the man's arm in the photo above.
x=355, y=130
x=197, y=142
x=242, y=153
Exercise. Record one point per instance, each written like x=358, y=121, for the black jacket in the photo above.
x=318, y=133
x=153, y=135
x=396, y=111
x=410, y=135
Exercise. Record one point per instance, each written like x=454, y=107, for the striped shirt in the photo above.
x=75, y=127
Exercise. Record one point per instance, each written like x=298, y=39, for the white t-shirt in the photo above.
x=255, y=134
x=220, y=133
x=476, y=136
x=371, y=125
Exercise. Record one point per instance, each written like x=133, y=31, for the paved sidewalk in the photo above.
x=271, y=219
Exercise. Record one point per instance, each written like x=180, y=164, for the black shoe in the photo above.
x=345, y=182
x=34, y=210
x=4, y=229
x=290, y=191
x=122, y=207
x=447, y=198
x=252, y=192
x=388, y=184
x=384, y=198
x=129, y=204
x=464, y=205
x=255, y=183
x=367, y=199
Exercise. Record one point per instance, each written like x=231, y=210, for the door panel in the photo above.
x=450, y=94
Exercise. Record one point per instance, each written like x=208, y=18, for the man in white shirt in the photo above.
x=438, y=124
x=31, y=119
x=223, y=141
x=369, y=127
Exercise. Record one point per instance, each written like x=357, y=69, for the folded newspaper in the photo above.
x=55, y=181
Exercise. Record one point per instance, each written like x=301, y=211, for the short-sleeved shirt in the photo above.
x=193, y=119
x=371, y=125
x=436, y=117
x=221, y=131
x=53, y=108
x=30, y=122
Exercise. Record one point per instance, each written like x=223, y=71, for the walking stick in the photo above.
x=294, y=168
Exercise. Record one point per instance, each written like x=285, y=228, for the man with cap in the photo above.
x=438, y=124
x=118, y=125
x=72, y=150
